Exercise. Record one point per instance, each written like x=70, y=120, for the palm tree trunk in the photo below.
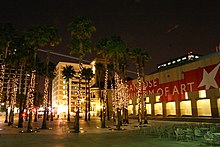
x=68, y=103
x=30, y=100
x=86, y=110
x=107, y=105
x=35, y=115
x=21, y=98
x=139, y=97
x=29, y=128
x=44, y=123
x=3, y=75
x=89, y=101
x=50, y=96
x=143, y=100
x=105, y=95
x=25, y=106
x=21, y=110
x=76, y=126
x=8, y=96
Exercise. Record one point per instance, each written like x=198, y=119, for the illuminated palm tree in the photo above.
x=87, y=75
x=23, y=57
x=51, y=38
x=35, y=38
x=112, y=48
x=118, y=46
x=14, y=59
x=140, y=56
x=123, y=67
x=145, y=58
x=81, y=31
x=7, y=33
x=8, y=101
x=68, y=73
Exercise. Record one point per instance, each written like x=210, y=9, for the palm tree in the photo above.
x=8, y=102
x=23, y=57
x=7, y=33
x=123, y=67
x=35, y=38
x=140, y=57
x=145, y=58
x=87, y=75
x=14, y=59
x=104, y=48
x=100, y=72
x=51, y=39
x=68, y=73
x=118, y=46
x=81, y=32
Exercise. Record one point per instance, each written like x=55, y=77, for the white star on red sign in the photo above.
x=209, y=78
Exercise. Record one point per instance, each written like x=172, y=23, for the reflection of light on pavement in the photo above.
x=1, y=129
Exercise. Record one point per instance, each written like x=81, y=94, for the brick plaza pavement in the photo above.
x=60, y=134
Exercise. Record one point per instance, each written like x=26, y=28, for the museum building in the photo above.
x=186, y=86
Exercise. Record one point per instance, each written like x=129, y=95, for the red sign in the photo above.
x=194, y=80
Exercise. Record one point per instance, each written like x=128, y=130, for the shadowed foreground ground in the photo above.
x=60, y=135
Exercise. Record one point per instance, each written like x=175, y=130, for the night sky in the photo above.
x=165, y=28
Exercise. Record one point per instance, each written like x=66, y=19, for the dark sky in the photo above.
x=165, y=28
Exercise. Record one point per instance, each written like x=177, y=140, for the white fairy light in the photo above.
x=8, y=94
x=30, y=99
x=2, y=75
x=79, y=87
x=139, y=94
x=46, y=83
x=105, y=90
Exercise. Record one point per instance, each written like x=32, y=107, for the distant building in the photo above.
x=59, y=90
x=178, y=61
x=9, y=72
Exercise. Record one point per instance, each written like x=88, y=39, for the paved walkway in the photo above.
x=60, y=134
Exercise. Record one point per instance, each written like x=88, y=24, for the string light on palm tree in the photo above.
x=46, y=83
x=116, y=90
x=81, y=30
x=79, y=93
x=139, y=96
x=105, y=96
x=2, y=74
x=7, y=99
x=113, y=100
x=126, y=95
x=140, y=56
x=30, y=98
x=7, y=34
x=13, y=93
